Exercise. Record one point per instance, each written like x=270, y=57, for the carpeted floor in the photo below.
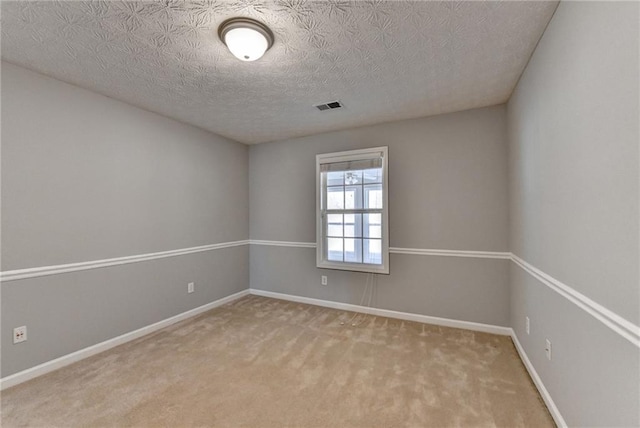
x=260, y=362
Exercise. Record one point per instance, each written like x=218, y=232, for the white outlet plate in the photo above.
x=191, y=287
x=324, y=280
x=527, y=324
x=20, y=334
x=547, y=349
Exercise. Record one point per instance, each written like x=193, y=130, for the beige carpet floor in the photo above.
x=260, y=362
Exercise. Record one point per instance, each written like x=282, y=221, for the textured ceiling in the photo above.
x=385, y=60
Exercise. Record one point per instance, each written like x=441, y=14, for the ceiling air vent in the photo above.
x=328, y=106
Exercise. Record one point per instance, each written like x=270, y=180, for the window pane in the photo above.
x=334, y=225
x=352, y=177
x=373, y=196
x=353, y=250
x=335, y=198
x=353, y=197
x=348, y=246
x=372, y=251
x=334, y=249
x=372, y=226
x=334, y=230
x=373, y=175
x=335, y=178
x=374, y=232
x=353, y=225
x=374, y=218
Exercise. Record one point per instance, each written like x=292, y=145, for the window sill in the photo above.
x=355, y=267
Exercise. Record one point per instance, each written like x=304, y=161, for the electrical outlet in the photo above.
x=191, y=287
x=527, y=324
x=547, y=349
x=324, y=280
x=20, y=334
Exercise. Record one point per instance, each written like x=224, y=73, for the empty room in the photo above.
x=291, y=213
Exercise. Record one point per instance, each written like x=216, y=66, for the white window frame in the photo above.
x=351, y=155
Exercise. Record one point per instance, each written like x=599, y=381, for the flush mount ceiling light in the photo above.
x=246, y=38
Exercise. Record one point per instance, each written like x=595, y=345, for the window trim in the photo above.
x=321, y=262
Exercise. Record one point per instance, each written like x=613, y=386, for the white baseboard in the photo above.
x=553, y=409
x=445, y=322
x=81, y=354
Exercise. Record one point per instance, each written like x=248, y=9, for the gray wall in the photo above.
x=573, y=159
x=447, y=190
x=85, y=177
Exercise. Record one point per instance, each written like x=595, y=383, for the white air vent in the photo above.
x=329, y=106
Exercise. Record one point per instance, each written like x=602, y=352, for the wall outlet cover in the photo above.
x=547, y=349
x=20, y=334
x=191, y=287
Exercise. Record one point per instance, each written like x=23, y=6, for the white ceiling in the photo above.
x=385, y=60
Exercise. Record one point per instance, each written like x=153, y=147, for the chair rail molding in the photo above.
x=13, y=275
x=615, y=322
x=399, y=250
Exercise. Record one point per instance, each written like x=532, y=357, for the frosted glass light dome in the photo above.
x=246, y=38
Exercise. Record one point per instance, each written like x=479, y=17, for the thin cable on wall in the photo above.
x=370, y=287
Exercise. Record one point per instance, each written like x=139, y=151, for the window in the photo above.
x=352, y=210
